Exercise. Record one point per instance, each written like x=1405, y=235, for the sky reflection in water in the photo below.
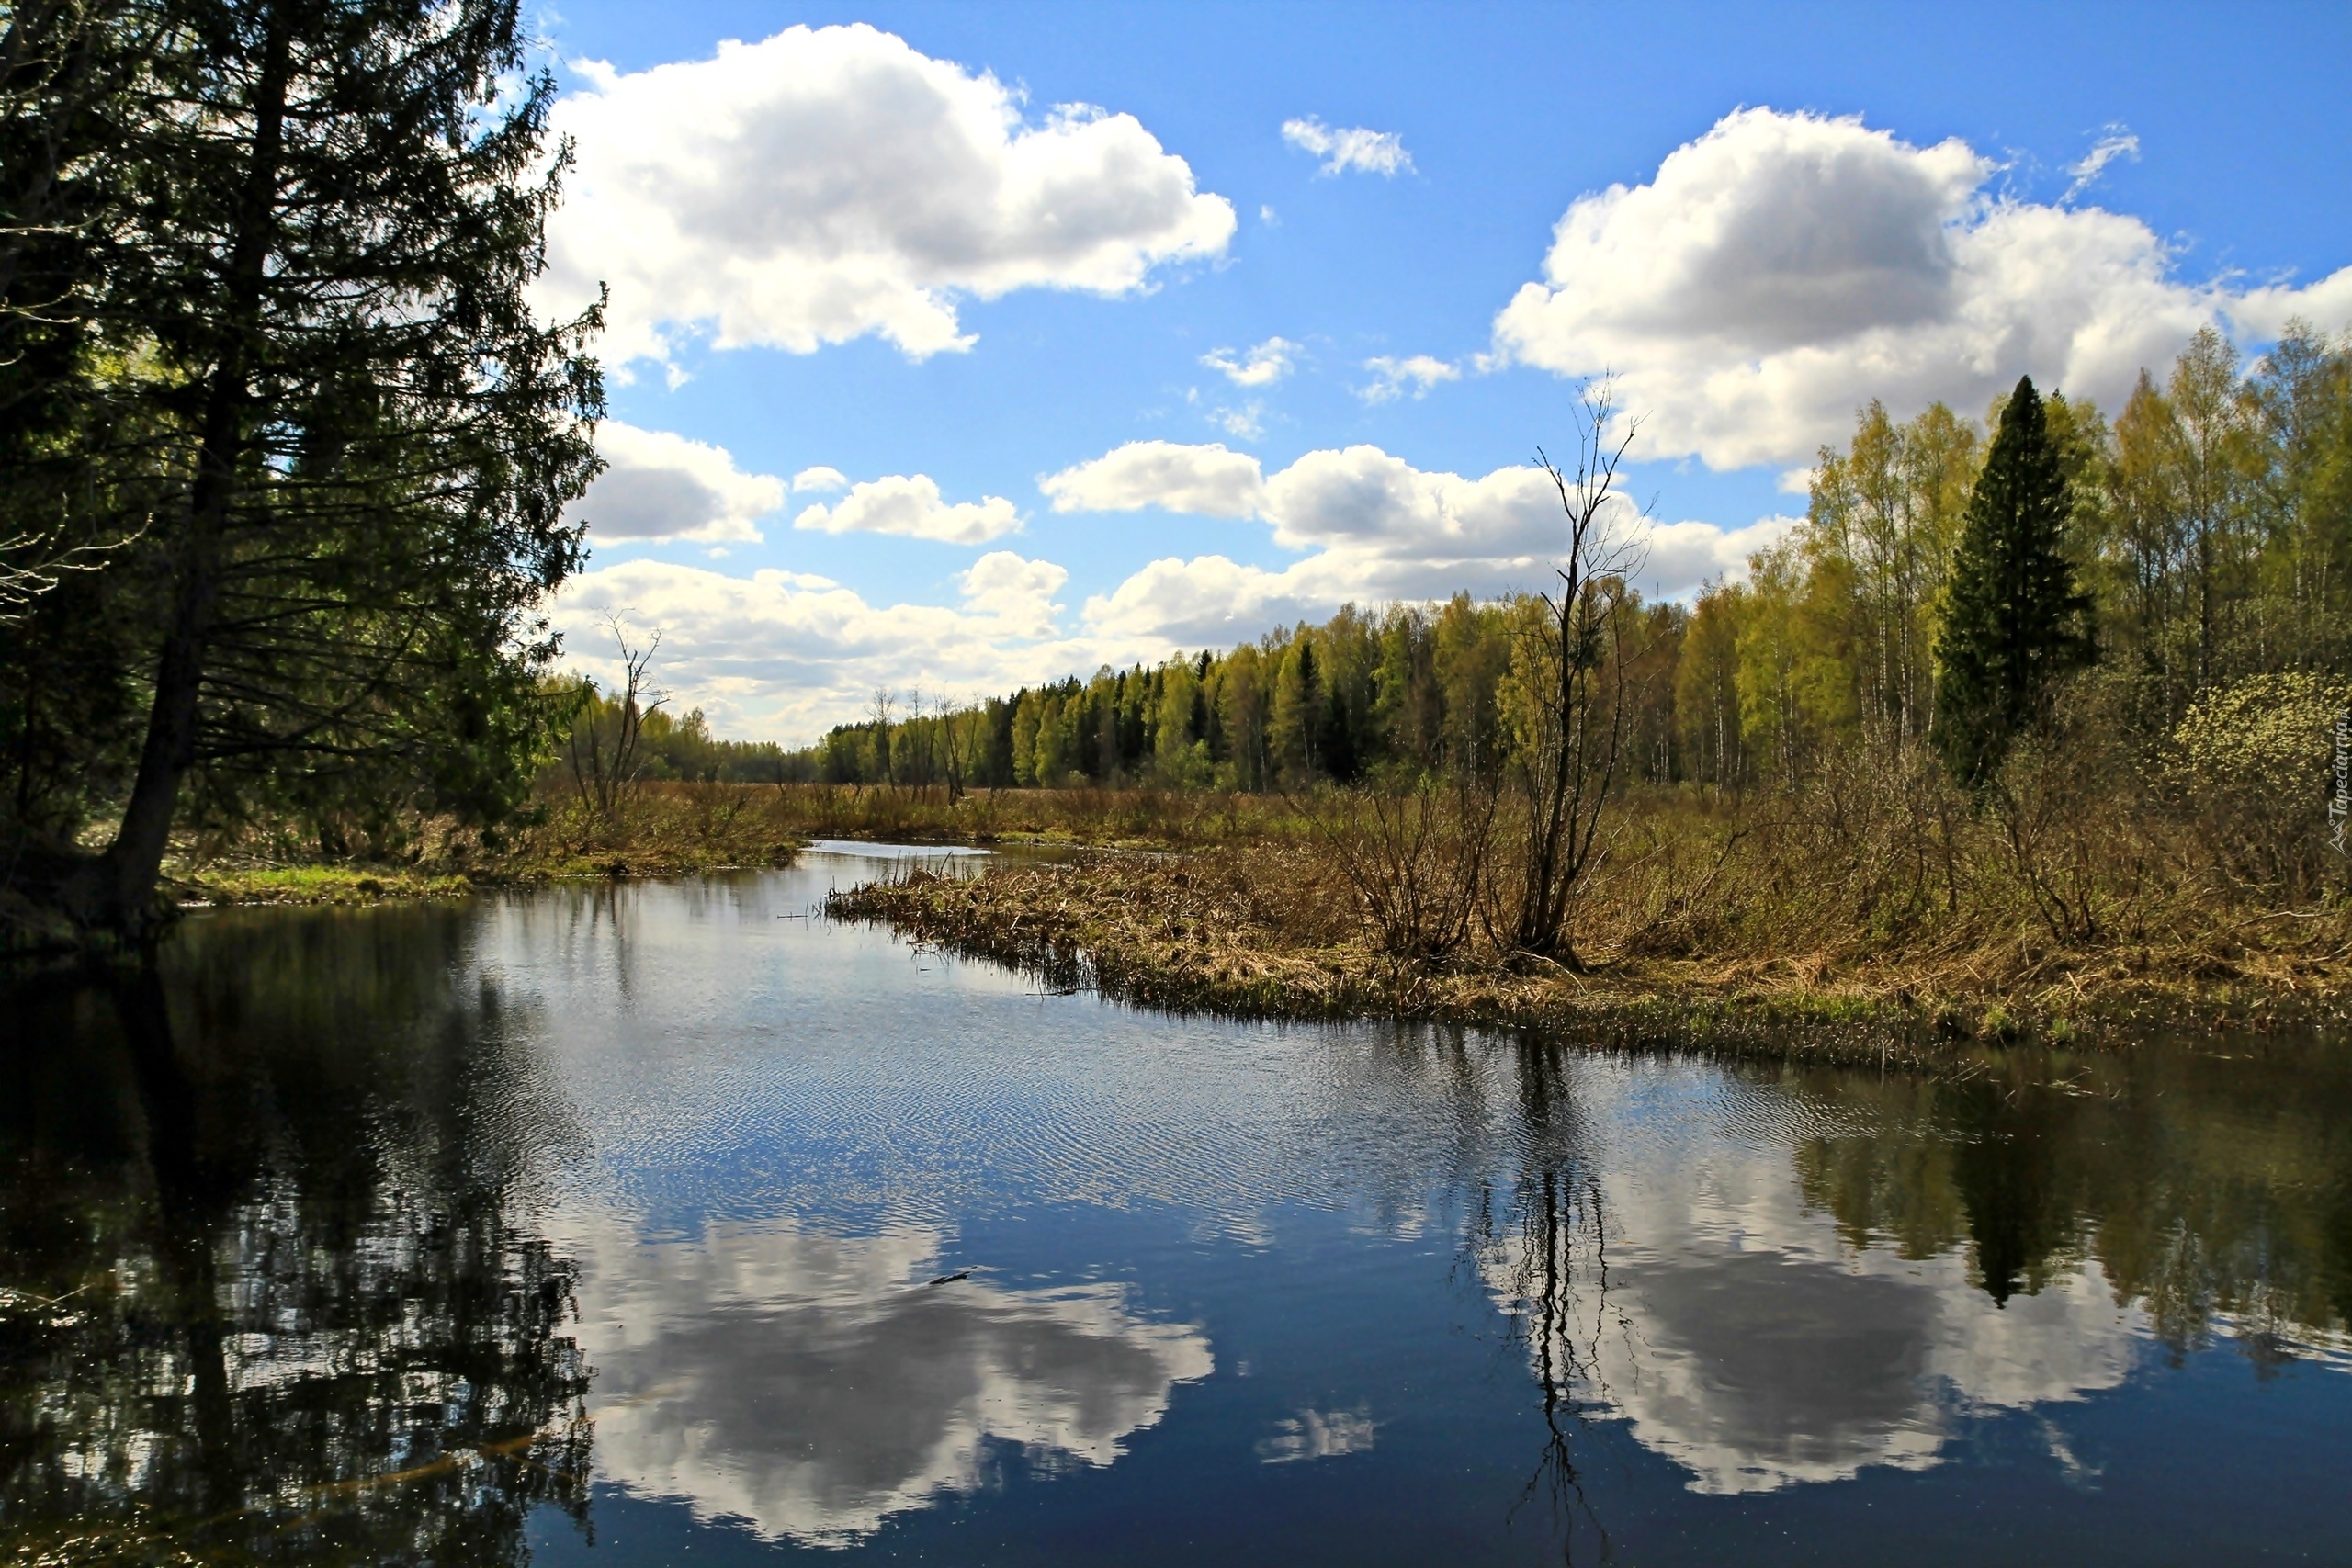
x=604, y=1220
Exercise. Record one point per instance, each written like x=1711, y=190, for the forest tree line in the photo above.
x=2209, y=524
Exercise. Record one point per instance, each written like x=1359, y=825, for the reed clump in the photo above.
x=1878, y=913
x=669, y=827
x=1137, y=818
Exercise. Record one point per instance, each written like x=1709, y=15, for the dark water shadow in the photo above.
x=271, y=1297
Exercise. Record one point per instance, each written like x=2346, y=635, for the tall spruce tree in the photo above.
x=2014, y=619
x=357, y=438
x=71, y=72
x=74, y=77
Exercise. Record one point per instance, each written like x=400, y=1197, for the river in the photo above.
x=667, y=1222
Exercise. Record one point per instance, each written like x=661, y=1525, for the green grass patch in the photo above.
x=317, y=885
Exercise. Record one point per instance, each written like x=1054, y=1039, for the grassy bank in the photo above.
x=1874, y=924
x=1276, y=930
x=667, y=830
x=671, y=829
x=225, y=884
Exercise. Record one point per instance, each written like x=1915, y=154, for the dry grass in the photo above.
x=1788, y=927
x=667, y=828
x=1126, y=818
x=1872, y=913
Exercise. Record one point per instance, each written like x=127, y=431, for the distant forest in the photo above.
x=2209, y=523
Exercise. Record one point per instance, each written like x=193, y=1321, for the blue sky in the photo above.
x=893, y=253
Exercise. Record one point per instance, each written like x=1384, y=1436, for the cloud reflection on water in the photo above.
x=1318, y=1434
x=812, y=1385
x=1741, y=1337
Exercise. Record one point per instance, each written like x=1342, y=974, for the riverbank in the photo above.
x=674, y=830
x=671, y=829
x=1730, y=929
x=1272, y=933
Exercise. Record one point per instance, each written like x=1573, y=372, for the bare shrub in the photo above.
x=1415, y=856
x=1570, y=670
x=602, y=749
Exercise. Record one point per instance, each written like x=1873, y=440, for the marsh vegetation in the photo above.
x=2031, y=735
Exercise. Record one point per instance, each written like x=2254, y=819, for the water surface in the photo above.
x=663, y=1221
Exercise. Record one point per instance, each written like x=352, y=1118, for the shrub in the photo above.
x=2252, y=764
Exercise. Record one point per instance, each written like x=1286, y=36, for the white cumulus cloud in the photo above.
x=1785, y=268
x=911, y=506
x=1018, y=595
x=1372, y=152
x=1261, y=367
x=1391, y=377
x=828, y=183
x=821, y=479
x=1209, y=481
x=1372, y=528
x=660, y=486
x=783, y=655
x=2263, y=312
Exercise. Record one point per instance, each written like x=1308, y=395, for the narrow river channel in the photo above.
x=666, y=1222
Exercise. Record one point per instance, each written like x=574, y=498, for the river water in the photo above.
x=663, y=1222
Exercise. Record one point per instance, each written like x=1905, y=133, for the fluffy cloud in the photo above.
x=1372, y=152
x=1374, y=528
x=1364, y=498
x=1391, y=377
x=1016, y=595
x=2262, y=313
x=911, y=506
x=1785, y=268
x=1675, y=557
x=822, y=479
x=1261, y=367
x=829, y=182
x=660, y=486
x=1208, y=482
x=781, y=654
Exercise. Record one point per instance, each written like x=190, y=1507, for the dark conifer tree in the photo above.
x=357, y=436
x=2014, y=620
x=1339, y=746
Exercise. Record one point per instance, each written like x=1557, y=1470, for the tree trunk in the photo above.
x=121, y=895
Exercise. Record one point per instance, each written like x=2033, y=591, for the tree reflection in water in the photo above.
x=1550, y=1254
x=1833, y=1271
x=268, y=1297
x=2211, y=1184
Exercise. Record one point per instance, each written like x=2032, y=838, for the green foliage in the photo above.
x=677, y=747
x=1882, y=523
x=1410, y=691
x=308, y=410
x=2256, y=761
x=2196, y=546
x=2014, y=620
